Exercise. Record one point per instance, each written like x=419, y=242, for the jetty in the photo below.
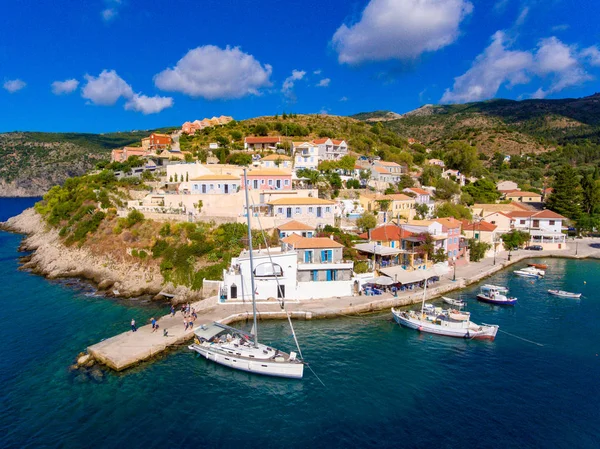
x=130, y=348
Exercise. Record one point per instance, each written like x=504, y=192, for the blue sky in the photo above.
x=109, y=65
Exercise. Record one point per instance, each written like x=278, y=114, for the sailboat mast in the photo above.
x=255, y=327
x=424, y=293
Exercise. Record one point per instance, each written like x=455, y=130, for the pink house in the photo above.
x=452, y=227
x=269, y=179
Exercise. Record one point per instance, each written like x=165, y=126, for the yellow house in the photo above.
x=400, y=205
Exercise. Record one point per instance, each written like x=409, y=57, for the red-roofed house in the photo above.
x=295, y=227
x=262, y=143
x=331, y=149
x=545, y=227
x=482, y=231
x=452, y=227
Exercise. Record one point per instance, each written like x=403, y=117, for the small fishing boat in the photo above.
x=541, y=266
x=453, y=302
x=530, y=272
x=452, y=323
x=493, y=296
x=498, y=288
x=564, y=294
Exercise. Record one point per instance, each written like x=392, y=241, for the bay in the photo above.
x=385, y=386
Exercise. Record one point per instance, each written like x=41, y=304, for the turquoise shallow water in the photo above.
x=385, y=386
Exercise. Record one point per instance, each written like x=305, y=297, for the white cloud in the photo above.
x=324, y=82
x=561, y=27
x=214, y=73
x=111, y=11
x=592, y=55
x=106, y=88
x=148, y=105
x=288, y=83
x=13, y=86
x=64, y=87
x=558, y=64
x=317, y=72
x=344, y=99
x=400, y=29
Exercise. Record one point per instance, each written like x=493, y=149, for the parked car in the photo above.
x=535, y=247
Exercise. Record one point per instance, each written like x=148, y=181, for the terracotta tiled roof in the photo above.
x=542, y=214
x=301, y=201
x=520, y=193
x=387, y=233
x=482, y=226
x=320, y=141
x=295, y=225
x=449, y=222
x=381, y=170
x=418, y=191
x=397, y=197
x=299, y=242
x=262, y=139
x=388, y=164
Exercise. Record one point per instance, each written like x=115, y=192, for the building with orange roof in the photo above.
x=330, y=149
x=262, y=143
x=269, y=179
x=306, y=155
x=308, y=210
x=276, y=161
x=297, y=228
x=545, y=227
x=523, y=197
x=122, y=154
x=215, y=184
x=452, y=227
x=387, y=172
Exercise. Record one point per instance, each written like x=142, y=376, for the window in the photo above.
x=297, y=210
x=212, y=186
x=522, y=221
x=332, y=275
x=280, y=210
x=262, y=181
x=314, y=275
x=328, y=209
x=308, y=257
x=268, y=270
x=270, y=182
x=326, y=255
x=551, y=222
x=286, y=182
x=455, y=240
x=494, y=222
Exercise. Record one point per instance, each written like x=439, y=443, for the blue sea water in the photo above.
x=385, y=386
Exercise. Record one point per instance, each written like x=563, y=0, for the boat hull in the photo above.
x=484, y=333
x=290, y=370
x=487, y=299
x=561, y=294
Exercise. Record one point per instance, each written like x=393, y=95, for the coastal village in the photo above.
x=403, y=236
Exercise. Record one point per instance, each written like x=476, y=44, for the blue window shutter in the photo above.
x=329, y=275
x=323, y=256
x=306, y=256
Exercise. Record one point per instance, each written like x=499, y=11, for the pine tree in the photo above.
x=566, y=197
x=590, y=194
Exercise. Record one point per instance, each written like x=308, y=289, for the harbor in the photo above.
x=130, y=348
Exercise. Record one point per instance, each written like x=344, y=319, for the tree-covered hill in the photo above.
x=32, y=162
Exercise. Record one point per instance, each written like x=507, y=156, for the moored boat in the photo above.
x=498, y=288
x=541, y=266
x=453, y=302
x=493, y=296
x=564, y=294
x=530, y=272
x=449, y=323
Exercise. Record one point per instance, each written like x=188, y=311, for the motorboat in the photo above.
x=451, y=323
x=498, y=288
x=493, y=296
x=241, y=350
x=530, y=272
x=454, y=302
x=541, y=266
x=564, y=294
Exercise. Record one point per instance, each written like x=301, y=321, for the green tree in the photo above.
x=430, y=175
x=421, y=211
x=590, y=194
x=439, y=256
x=366, y=221
x=477, y=250
x=347, y=163
x=514, y=239
x=482, y=191
x=462, y=157
x=449, y=209
x=446, y=189
x=566, y=197
x=405, y=182
x=261, y=129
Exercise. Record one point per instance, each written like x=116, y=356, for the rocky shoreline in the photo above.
x=51, y=258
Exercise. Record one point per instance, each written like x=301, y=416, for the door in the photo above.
x=203, y=188
x=319, y=211
x=289, y=212
x=281, y=291
x=225, y=188
x=278, y=183
x=255, y=183
x=233, y=294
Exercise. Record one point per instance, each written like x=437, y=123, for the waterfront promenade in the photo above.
x=129, y=348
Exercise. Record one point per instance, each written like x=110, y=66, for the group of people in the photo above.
x=189, y=316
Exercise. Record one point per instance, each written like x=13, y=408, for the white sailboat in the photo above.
x=452, y=323
x=241, y=350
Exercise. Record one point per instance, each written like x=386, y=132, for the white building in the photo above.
x=306, y=155
x=276, y=161
x=215, y=184
x=545, y=227
x=331, y=149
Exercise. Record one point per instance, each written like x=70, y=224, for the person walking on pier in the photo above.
x=133, y=328
x=172, y=310
x=153, y=321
